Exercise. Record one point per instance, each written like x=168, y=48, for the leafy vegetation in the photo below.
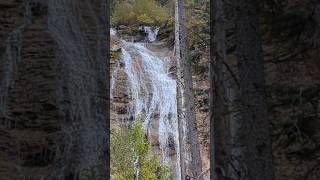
x=127, y=12
x=131, y=156
x=160, y=12
x=197, y=15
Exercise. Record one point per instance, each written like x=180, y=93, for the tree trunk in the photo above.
x=189, y=146
x=53, y=89
x=218, y=113
x=252, y=138
x=224, y=96
x=316, y=17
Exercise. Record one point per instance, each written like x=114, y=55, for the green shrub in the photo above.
x=138, y=11
x=130, y=152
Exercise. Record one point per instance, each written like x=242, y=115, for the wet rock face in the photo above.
x=53, y=88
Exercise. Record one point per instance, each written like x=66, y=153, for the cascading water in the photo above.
x=153, y=96
x=113, y=79
x=152, y=34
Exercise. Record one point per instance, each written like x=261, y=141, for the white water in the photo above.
x=152, y=92
x=113, y=32
x=152, y=34
x=113, y=79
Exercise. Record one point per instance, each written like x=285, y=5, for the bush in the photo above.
x=138, y=11
x=131, y=156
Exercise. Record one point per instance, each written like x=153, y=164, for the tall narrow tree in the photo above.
x=252, y=141
x=54, y=89
x=218, y=107
x=189, y=146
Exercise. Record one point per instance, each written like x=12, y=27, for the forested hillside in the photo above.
x=263, y=56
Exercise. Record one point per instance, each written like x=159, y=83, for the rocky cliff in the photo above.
x=53, y=89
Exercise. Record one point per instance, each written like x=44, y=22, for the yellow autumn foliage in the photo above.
x=138, y=11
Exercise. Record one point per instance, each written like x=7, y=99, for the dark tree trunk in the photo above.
x=53, y=89
x=252, y=139
x=316, y=17
x=218, y=107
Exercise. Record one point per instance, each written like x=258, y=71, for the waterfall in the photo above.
x=152, y=34
x=113, y=32
x=153, y=97
x=113, y=79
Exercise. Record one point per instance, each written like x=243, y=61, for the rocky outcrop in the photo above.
x=53, y=89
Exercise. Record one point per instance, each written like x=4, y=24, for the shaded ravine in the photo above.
x=152, y=94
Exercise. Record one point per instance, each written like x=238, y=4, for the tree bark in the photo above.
x=316, y=17
x=224, y=95
x=252, y=144
x=189, y=146
x=54, y=89
x=218, y=112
